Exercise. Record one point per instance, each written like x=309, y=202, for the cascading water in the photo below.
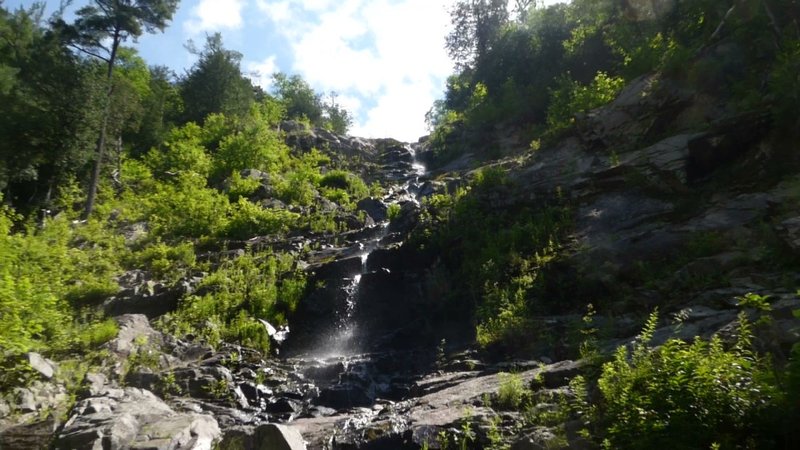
x=345, y=340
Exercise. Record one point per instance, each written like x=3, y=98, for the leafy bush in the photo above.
x=239, y=187
x=47, y=276
x=784, y=84
x=255, y=147
x=346, y=181
x=248, y=220
x=512, y=391
x=165, y=261
x=187, y=208
x=684, y=395
x=393, y=210
x=182, y=151
x=497, y=254
x=242, y=290
x=298, y=188
x=571, y=97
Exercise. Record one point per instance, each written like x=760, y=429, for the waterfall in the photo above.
x=344, y=341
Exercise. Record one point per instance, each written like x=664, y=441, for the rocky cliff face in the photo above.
x=676, y=203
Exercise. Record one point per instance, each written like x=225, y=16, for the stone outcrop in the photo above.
x=134, y=418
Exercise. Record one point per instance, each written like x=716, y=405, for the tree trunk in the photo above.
x=101, y=140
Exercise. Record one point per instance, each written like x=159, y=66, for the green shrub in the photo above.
x=298, y=187
x=187, y=208
x=499, y=259
x=239, y=187
x=250, y=143
x=512, y=392
x=393, y=210
x=97, y=333
x=240, y=291
x=685, y=395
x=571, y=97
x=346, y=181
x=784, y=84
x=48, y=276
x=182, y=151
x=165, y=261
x=248, y=220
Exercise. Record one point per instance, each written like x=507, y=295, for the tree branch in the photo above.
x=83, y=50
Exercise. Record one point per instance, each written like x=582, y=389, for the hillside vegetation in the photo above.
x=611, y=182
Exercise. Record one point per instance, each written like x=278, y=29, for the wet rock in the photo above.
x=406, y=219
x=374, y=207
x=320, y=411
x=344, y=396
x=709, y=266
x=338, y=269
x=254, y=393
x=727, y=141
x=282, y=406
x=272, y=203
x=255, y=174
x=324, y=372
x=5, y=409
x=192, y=351
x=264, y=437
x=44, y=367
x=34, y=435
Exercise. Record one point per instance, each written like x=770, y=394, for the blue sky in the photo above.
x=385, y=59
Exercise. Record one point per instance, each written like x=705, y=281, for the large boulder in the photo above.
x=264, y=437
x=44, y=367
x=134, y=418
x=374, y=208
x=134, y=330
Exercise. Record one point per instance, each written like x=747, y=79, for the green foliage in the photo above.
x=50, y=109
x=144, y=356
x=251, y=144
x=186, y=207
x=236, y=295
x=239, y=187
x=512, y=392
x=685, y=395
x=350, y=184
x=755, y=301
x=298, y=98
x=170, y=262
x=784, y=84
x=248, y=220
x=393, y=210
x=571, y=97
x=96, y=333
x=46, y=281
x=497, y=254
x=182, y=151
x=215, y=83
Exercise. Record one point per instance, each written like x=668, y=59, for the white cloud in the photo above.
x=215, y=15
x=261, y=72
x=387, y=52
x=278, y=11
